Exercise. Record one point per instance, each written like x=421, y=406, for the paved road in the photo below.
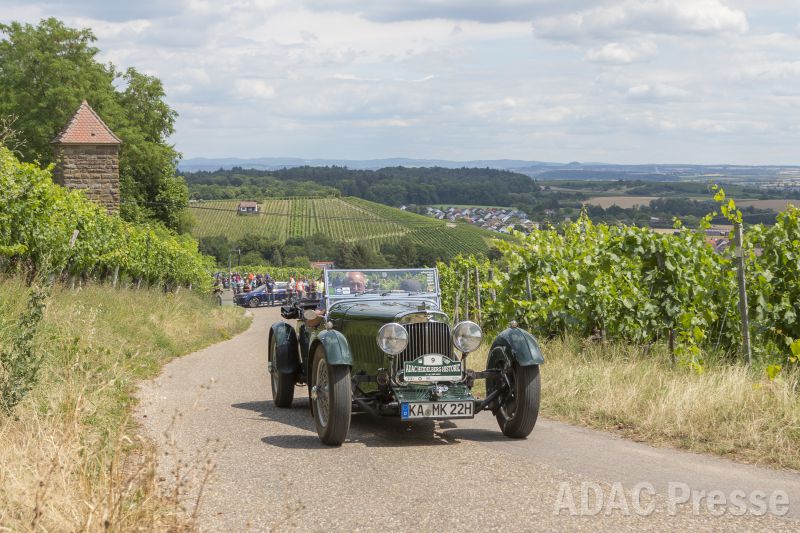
x=271, y=472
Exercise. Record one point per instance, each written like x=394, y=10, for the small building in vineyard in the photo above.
x=246, y=208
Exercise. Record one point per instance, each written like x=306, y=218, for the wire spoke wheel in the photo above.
x=273, y=369
x=323, y=390
x=331, y=398
x=519, y=407
x=509, y=406
x=282, y=384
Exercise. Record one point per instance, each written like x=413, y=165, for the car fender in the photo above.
x=517, y=345
x=337, y=349
x=287, y=358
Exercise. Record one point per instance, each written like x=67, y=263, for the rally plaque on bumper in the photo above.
x=460, y=409
x=432, y=367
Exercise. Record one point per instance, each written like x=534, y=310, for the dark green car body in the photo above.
x=346, y=336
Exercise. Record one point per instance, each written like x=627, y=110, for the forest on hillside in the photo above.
x=393, y=186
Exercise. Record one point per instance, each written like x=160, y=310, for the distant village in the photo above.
x=788, y=180
x=500, y=219
x=505, y=219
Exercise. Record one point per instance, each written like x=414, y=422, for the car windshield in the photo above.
x=369, y=283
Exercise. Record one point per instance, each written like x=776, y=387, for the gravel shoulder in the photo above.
x=261, y=468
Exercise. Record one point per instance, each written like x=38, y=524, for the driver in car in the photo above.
x=356, y=281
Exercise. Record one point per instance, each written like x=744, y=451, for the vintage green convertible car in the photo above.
x=378, y=341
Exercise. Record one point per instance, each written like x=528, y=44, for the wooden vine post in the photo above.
x=466, y=299
x=478, y=310
x=746, y=350
x=457, y=298
x=671, y=329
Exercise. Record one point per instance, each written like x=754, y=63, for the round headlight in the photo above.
x=392, y=338
x=467, y=336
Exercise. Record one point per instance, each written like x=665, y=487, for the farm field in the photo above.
x=776, y=205
x=342, y=219
x=622, y=201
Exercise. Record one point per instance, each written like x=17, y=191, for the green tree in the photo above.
x=45, y=73
x=217, y=246
x=298, y=261
x=252, y=258
x=358, y=255
x=400, y=255
x=264, y=246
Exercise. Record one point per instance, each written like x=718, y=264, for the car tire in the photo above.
x=519, y=410
x=282, y=384
x=254, y=302
x=331, y=399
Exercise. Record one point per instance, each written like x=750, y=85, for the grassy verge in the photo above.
x=70, y=458
x=728, y=410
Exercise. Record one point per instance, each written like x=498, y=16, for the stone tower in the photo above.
x=86, y=155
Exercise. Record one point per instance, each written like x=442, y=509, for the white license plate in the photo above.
x=413, y=410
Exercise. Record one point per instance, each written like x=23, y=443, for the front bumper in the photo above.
x=427, y=393
x=399, y=397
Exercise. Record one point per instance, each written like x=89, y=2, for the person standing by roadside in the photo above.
x=321, y=286
x=312, y=287
x=270, y=290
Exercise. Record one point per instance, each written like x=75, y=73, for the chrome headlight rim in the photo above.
x=467, y=341
x=394, y=344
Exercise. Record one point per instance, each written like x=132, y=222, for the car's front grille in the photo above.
x=425, y=338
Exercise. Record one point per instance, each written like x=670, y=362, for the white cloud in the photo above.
x=622, y=53
x=474, y=10
x=614, y=80
x=253, y=88
x=649, y=17
x=659, y=91
x=771, y=71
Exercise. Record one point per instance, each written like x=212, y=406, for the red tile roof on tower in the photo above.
x=86, y=128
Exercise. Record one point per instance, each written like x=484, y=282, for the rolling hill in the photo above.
x=342, y=219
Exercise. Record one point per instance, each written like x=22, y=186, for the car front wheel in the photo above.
x=520, y=407
x=331, y=399
x=282, y=384
x=254, y=302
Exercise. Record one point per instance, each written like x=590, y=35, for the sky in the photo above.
x=622, y=81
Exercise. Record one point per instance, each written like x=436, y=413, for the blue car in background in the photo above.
x=259, y=296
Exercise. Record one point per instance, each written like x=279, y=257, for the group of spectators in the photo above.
x=305, y=287
x=296, y=287
x=242, y=282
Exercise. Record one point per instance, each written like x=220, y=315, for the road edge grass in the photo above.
x=728, y=409
x=72, y=457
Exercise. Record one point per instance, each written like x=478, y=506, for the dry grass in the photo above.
x=727, y=410
x=72, y=460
